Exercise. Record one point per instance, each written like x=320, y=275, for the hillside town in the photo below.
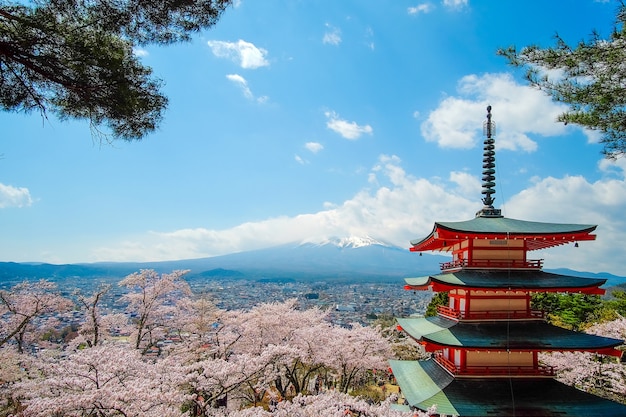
x=344, y=304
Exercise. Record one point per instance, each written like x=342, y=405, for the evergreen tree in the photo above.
x=439, y=299
x=571, y=311
x=589, y=77
x=76, y=58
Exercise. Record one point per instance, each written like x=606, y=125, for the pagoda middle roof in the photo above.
x=490, y=279
x=496, y=335
x=539, y=235
x=425, y=383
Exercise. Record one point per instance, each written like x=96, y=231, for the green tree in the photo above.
x=572, y=311
x=615, y=304
x=590, y=78
x=439, y=299
x=76, y=58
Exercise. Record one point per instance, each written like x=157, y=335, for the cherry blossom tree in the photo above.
x=319, y=350
x=356, y=351
x=11, y=371
x=333, y=404
x=281, y=324
x=228, y=382
x=613, y=328
x=599, y=374
x=243, y=355
x=92, y=326
x=226, y=363
x=96, y=326
x=196, y=319
x=152, y=298
x=303, y=373
x=328, y=404
x=102, y=381
x=273, y=349
x=23, y=305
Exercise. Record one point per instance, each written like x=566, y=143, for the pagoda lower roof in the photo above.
x=538, y=235
x=521, y=335
x=425, y=383
x=506, y=279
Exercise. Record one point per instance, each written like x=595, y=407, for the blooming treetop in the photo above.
x=590, y=372
x=25, y=303
x=104, y=381
x=152, y=297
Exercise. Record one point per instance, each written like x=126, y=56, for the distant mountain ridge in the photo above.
x=349, y=258
x=346, y=259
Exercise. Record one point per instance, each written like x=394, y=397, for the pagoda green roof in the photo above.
x=506, y=279
x=498, y=225
x=516, y=335
x=422, y=384
x=425, y=383
x=538, y=234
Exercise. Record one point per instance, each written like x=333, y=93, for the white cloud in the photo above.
x=455, y=4
x=388, y=211
x=593, y=136
x=14, y=196
x=613, y=166
x=300, y=160
x=332, y=36
x=314, y=147
x=466, y=185
x=243, y=85
x=526, y=110
x=369, y=33
x=140, y=52
x=349, y=130
x=399, y=207
x=243, y=53
x=573, y=199
x=420, y=8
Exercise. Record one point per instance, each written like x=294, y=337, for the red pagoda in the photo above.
x=485, y=342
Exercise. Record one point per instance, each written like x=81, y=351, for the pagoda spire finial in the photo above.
x=489, y=171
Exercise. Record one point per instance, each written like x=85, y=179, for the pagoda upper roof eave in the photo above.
x=501, y=280
x=440, y=287
x=498, y=335
x=539, y=235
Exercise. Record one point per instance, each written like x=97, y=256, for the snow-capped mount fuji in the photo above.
x=348, y=242
x=352, y=257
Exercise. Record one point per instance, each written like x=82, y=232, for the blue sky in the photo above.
x=293, y=121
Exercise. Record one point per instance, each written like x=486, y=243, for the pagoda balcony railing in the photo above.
x=491, y=264
x=475, y=371
x=454, y=314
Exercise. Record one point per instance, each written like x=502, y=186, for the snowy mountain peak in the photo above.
x=349, y=242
